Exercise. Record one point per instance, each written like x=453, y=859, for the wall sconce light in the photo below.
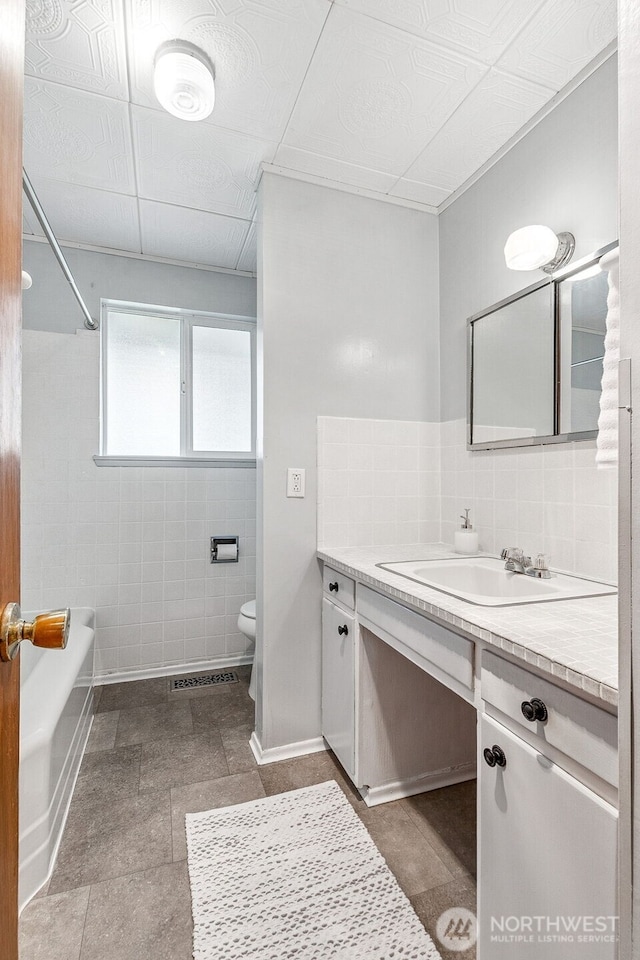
x=183, y=80
x=536, y=247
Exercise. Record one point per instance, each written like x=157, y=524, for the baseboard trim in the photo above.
x=397, y=789
x=122, y=676
x=286, y=752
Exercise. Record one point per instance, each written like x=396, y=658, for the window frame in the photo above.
x=188, y=320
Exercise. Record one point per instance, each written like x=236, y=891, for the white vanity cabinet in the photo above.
x=546, y=838
x=547, y=855
x=409, y=704
x=338, y=682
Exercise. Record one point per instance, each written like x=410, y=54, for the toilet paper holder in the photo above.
x=225, y=549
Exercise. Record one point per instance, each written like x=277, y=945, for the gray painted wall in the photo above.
x=348, y=322
x=563, y=174
x=50, y=305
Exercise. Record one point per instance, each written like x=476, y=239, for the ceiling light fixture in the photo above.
x=536, y=247
x=183, y=80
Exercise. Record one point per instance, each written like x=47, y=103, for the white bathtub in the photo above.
x=56, y=710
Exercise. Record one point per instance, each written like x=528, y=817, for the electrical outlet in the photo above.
x=295, y=482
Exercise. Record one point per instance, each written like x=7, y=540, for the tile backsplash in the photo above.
x=386, y=482
x=132, y=542
x=378, y=482
x=548, y=499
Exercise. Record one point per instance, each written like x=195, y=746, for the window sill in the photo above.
x=101, y=461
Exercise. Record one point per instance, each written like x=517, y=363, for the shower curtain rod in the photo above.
x=89, y=322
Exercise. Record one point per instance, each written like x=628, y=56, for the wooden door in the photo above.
x=12, y=16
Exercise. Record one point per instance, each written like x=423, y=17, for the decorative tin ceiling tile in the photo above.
x=330, y=169
x=479, y=30
x=248, y=259
x=80, y=43
x=85, y=215
x=197, y=165
x=490, y=116
x=562, y=39
x=260, y=53
x=374, y=95
x=77, y=137
x=419, y=192
x=191, y=235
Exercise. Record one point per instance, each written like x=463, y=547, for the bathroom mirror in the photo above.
x=535, y=360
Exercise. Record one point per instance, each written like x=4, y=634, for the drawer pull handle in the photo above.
x=333, y=586
x=533, y=710
x=343, y=631
x=494, y=756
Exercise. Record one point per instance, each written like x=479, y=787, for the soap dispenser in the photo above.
x=466, y=538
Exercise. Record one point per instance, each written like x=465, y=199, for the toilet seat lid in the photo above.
x=248, y=609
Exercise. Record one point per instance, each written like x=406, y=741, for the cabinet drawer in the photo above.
x=338, y=587
x=578, y=729
x=450, y=653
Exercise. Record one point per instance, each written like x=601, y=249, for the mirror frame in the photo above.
x=553, y=282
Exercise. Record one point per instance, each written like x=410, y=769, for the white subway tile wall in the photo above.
x=546, y=499
x=378, y=482
x=132, y=542
x=394, y=482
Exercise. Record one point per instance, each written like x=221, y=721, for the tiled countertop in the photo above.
x=573, y=640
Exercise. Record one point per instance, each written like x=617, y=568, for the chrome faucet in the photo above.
x=517, y=562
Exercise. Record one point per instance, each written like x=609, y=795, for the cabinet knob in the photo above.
x=494, y=756
x=333, y=586
x=343, y=631
x=533, y=710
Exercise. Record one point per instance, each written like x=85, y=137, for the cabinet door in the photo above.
x=338, y=683
x=547, y=854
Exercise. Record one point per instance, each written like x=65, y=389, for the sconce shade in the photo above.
x=530, y=247
x=183, y=80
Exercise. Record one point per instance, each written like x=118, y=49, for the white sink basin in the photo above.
x=484, y=581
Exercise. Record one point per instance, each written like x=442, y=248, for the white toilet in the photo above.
x=247, y=625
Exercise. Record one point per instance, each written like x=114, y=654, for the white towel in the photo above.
x=607, y=443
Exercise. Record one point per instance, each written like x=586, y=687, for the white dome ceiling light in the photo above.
x=183, y=80
x=26, y=280
x=537, y=246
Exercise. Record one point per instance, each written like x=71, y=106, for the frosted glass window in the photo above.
x=142, y=386
x=176, y=385
x=221, y=389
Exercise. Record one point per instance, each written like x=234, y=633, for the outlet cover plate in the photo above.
x=295, y=482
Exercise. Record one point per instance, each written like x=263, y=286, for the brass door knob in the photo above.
x=48, y=630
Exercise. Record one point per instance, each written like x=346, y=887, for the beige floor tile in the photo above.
x=172, y=763
x=109, y=774
x=411, y=858
x=240, y=758
x=134, y=693
x=103, y=732
x=112, y=838
x=142, y=916
x=51, y=927
x=159, y=721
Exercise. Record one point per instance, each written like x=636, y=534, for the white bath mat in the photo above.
x=296, y=877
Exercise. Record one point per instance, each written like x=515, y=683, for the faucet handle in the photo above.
x=512, y=553
x=540, y=569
